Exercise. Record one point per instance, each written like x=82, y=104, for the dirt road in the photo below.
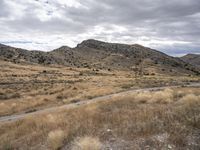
x=10, y=118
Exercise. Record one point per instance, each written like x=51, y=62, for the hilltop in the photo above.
x=102, y=55
x=192, y=59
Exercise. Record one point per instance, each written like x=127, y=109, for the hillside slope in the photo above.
x=192, y=58
x=123, y=56
x=102, y=55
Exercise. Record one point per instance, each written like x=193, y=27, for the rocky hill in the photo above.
x=101, y=55
x=192, y=59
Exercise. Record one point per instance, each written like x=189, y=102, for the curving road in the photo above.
x=10, y=118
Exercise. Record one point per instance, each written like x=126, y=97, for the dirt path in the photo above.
x=10, y=118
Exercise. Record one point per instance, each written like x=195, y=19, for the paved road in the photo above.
x=10, y=118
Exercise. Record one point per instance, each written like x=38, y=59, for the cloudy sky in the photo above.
x=172, y=26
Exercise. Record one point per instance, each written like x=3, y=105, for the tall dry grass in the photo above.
x=125, y=118
x=87, y=143
x=55, y=139
x=165, y=96
x=190, y=99
x=190, y=109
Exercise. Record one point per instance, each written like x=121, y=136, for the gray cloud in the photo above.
x=171, y=26
x=4, y=12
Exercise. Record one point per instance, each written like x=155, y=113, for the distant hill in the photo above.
x=192, y=59
x=102, y=55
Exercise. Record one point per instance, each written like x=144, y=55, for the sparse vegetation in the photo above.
x=55, y=139
x=87, y=143
x=99, y=95
x=190, y=109
x=190, y=99
x=33, y=87
x=118, y=119
x=165, y=96
x=126, y=117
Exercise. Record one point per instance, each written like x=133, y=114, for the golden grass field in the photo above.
x=163, y=119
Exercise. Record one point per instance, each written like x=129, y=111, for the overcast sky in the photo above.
x=172, y=26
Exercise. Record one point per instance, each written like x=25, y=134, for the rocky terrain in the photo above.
x=192, y=59
x=90, y=98
x=102, y=55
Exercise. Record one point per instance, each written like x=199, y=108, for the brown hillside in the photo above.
x=101, y=55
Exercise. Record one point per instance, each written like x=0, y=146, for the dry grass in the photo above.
x=31, y=87
x=124, y=118
x=165, y=96
x=190, y=110
x=55, y=139
x=129, y=117
x=87, y=143
x=143, y=97
x=190, y=99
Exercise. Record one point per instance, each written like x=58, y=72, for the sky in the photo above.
x=171, y=26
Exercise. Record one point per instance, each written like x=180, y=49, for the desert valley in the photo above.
x=98, y=96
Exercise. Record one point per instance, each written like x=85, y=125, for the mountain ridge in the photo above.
x=101, y=55
x=193, y=59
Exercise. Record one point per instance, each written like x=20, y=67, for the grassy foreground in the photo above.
x=168, y=119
